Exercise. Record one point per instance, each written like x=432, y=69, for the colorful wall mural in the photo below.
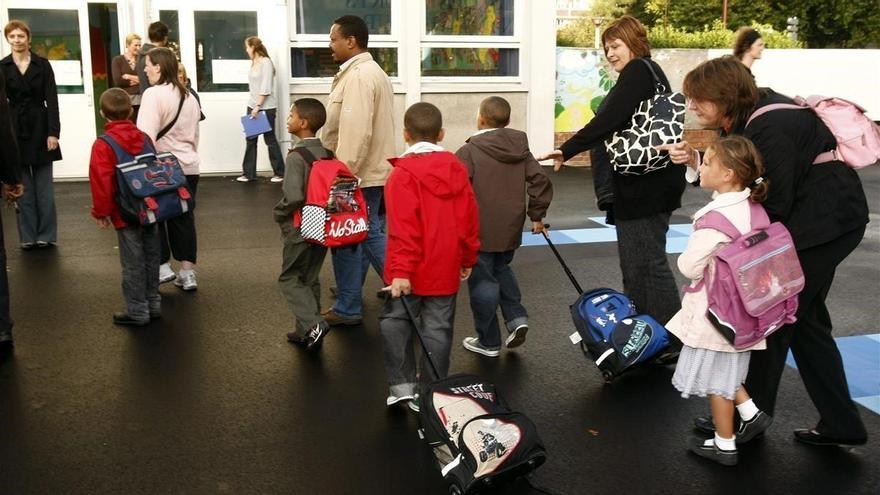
x=582, y=81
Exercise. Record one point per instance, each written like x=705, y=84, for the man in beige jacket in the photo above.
x=360, y=131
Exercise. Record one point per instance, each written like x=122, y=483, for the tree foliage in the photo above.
x=822, y=23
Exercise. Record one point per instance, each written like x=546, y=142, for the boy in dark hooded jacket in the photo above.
x=502, y=171
x=433, y=239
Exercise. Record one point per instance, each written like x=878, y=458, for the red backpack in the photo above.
x=335, y=213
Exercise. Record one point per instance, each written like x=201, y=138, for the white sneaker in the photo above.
x=242, y=179
x=393, y=399
x=186, y=280
x=276, y=179
x=166, y=274
x=473, y=344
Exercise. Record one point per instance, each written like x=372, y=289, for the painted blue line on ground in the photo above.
x=676, y=238
x=861, y=362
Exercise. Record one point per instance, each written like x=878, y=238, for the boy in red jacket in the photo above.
x=138, y=245
x=433, y=239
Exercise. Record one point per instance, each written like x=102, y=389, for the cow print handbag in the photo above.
x=658, y=120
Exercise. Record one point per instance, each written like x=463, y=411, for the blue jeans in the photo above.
x=492, y=283
x=350, y=265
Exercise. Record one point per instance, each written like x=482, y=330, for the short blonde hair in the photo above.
x=131, y=37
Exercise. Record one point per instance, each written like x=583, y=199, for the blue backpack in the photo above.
x=150, y=187
x=613, y=334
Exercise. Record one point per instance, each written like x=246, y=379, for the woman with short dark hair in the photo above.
x=821, y=202
x=642, y=204
x=33, y=99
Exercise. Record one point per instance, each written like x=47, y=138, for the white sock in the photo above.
x=747, y=410
x=725, y=443
x=183, y=272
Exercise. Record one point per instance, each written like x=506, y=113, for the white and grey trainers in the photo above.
x=166, y=274
x=394, y=399
x=186, y=280
x=242, y=178
x=276, y=179
x=473, y=344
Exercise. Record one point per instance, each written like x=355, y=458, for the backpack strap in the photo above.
x=173, y=121
x=774, y=106
x=310, y=157
x=716, y=220
x=122, y=156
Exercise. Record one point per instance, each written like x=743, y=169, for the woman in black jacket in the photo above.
x=642, y=204
x=33, y=99
x=823, y=205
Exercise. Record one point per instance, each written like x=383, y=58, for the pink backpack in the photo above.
x=754, y=284
x=858, y=138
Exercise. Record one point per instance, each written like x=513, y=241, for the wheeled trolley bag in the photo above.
x=479, y=443
x=610, y=331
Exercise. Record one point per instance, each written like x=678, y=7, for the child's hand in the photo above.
x=464, y=273
x=400, y=287
x=103, y=222
x=556, y=155
x=538, y=227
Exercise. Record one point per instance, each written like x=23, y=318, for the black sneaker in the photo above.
x=126, y=319
x=316, y=334
x=710, y=451
x=753, y=428
x=297, y=338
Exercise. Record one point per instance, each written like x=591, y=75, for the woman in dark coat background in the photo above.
x=824, y=207
x=33, y=100
x=640, y=205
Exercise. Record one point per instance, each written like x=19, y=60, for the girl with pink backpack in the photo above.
x=709, y=364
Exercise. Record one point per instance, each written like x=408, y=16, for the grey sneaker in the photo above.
x=316, y=335
x=710, y=451
x=394, y=399
x=473, y=344
x=186, y=280
x=755, y=427
x=517, y=337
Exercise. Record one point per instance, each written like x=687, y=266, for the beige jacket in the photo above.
x=359, y=127
x=690, y=324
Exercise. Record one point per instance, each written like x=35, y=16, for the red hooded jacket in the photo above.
x=433, y=224
x=102, y=168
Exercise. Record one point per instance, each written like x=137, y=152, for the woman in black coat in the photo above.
x=642, y=204
x=33, y=99
x=823, y=205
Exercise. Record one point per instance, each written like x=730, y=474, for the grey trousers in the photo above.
x=647, y=278
x=37, y=220
x=300, y=266
x=435, y=316
x=139, y=256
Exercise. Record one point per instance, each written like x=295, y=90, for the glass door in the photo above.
x=79, y=39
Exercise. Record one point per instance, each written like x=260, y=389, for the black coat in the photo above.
x=10, y=167
x=33, y=98
x=817, y=203
x=634, y=196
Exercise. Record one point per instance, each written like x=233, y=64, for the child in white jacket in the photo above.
x=709, y=365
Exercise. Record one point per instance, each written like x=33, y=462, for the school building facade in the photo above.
x=451, y=53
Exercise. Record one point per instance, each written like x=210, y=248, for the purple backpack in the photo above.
x=754, y=285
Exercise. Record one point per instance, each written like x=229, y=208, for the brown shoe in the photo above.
x=334, y=319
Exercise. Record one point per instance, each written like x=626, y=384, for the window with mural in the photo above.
x=55, y=36
x=469, y=17
x=316, y=16
x=318, y=62
x=470, y=62
x=222, y=63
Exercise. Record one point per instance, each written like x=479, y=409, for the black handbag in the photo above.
x=658, y=120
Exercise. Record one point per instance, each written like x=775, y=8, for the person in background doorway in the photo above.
x=158, y=34
x=748, y=46
x=124, y=72
x=33, y=99
x=261, y=82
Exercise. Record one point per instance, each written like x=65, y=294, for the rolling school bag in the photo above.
x=610, y=331
x=335, y=213
x=753, y=286
x=478, y=442
x=150, y=187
